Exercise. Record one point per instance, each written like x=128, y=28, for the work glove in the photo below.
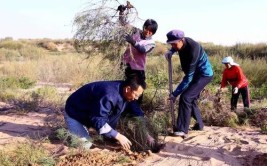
x=121, y=8
x=172, y=97
x=168, y=55
x=235, y=90
x=130, y=39
x=125, y=143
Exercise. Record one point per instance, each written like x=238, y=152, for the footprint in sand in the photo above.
x=198, y=151
x=206, y=158
x=182, y=147
x=228, y=148
x=244, y=142
x=2, y=124
x=259, y=141
x=226, y=140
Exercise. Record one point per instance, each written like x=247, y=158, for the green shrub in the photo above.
x=11, y=44
x=7, y=95
x=47, y=93
x=31, y=52
x=9, y=55
x=67, y=138
x=26, y=154
x=212, y=49
x=264, y=128
x=5, y=159
x=14, y=82
x=258, y=93
x=23, y=48
x=252, y=51
x=259, y=119
x=160, y=121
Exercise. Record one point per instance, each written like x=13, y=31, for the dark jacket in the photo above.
x=95, y=104
x=194, y=62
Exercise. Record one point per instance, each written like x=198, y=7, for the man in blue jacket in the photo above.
x=198, y=73
x=99, y=105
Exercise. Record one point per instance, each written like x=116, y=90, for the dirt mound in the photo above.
x=103, y=157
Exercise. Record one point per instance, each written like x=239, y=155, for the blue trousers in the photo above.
x=78, y=129
x=188, y=104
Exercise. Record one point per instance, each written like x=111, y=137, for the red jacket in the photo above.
x=235, y=77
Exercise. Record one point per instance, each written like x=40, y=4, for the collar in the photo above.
x=143, y=37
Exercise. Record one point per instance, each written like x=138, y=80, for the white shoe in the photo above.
x=179, y=133
x=87, y=145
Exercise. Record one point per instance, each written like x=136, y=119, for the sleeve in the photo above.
x=241, y=79
x=224, y=80
x=133, y=108
x=188, y=75
x=144, y=48
x=100, y=118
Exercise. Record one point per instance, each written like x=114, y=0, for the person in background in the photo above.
x=198, y=73
x=99, y=105
x=234, y=75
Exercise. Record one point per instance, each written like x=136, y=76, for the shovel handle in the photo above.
x=170, y=91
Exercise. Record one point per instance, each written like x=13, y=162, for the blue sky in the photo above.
x=225, y=22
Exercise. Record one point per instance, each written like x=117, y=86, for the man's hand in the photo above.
x=130, y=39
x=125, y=143
x=235, y=90
x=171, y=97
x=168, y=55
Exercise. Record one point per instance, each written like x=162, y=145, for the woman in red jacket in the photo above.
x=234, y=75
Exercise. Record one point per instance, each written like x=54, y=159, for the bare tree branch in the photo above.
x=101, y=28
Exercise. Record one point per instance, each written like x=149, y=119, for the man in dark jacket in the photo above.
x=198, y=73
x=99, y=105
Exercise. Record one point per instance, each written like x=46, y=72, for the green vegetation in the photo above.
x=26, y=154
x=25, y=64
x=14, y=82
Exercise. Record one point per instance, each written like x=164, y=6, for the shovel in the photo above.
x=170, y=91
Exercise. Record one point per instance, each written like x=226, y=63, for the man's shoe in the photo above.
x=196, y=127
x=179, y=133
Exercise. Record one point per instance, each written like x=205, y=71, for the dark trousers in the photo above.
x=131, y=73
x=245, y=97
x=188, y=104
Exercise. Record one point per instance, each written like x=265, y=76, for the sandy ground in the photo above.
x=216, y=146
x=16, y=127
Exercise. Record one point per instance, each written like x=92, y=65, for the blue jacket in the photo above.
x=194, y=62
x=97, y=104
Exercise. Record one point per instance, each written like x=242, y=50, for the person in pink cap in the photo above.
x=234, y=75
